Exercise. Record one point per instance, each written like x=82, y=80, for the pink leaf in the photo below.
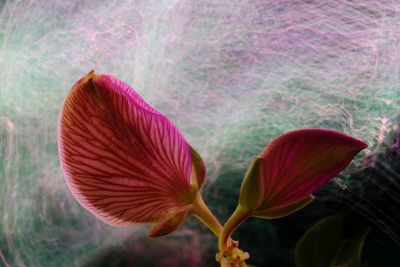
x=297, y=163
x=123, y=160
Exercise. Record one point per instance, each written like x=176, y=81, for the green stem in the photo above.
x=238, y=216
x=201, y=211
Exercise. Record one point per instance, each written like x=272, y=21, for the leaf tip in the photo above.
x=93, y=75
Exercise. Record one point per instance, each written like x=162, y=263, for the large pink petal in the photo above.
x=297, y=163
x=123, y=160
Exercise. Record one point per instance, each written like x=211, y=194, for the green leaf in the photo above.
x=324, y=246
x=199, y=167
x=284, y=211
x=321, y=244
x=251, y=192
x=350, y=254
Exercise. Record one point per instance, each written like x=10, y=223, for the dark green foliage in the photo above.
x=320, y=245
x=325, y=246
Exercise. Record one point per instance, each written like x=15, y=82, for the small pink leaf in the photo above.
x=123, y=160
x=297, y=163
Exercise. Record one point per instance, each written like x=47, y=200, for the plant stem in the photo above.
x=238, y=216
x=202, y=212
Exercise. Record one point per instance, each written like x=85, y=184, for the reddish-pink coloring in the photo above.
x=123, y=160
x=296, y=164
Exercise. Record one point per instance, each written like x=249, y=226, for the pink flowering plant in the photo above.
x=128, y=164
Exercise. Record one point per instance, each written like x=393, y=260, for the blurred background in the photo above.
x=231, y=75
